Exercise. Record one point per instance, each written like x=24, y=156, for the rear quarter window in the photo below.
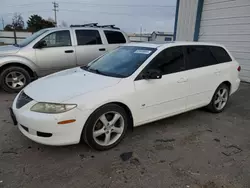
x=115, y=37
x=199, y=56
x=220, y=54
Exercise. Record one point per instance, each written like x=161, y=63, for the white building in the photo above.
x=161, y=36
x=139, y=37
x=155, y=36
x=220, y=21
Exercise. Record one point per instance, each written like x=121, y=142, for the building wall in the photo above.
x=7, y=37
x=228, y=23
x=186, y=19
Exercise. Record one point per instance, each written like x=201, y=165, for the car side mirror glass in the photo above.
x=152, y=74
x=41, y=44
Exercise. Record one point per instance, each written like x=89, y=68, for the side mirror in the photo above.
x=41, y=44
x=152, y=74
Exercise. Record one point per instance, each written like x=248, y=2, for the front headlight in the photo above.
x=52, y=108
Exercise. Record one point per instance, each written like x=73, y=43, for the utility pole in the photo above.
x=55, y=9
x=3, y=22
x=140, y=32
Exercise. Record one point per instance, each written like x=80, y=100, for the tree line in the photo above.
x=34, y=23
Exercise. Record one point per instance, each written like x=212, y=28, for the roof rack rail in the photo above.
x=86, y=25
x=96, y=25
x=109, y=26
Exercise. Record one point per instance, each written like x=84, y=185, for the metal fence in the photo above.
x=10, y=37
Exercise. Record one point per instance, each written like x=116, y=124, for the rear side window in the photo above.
x=115, y=37
x=220, y=54
x=88, y=37
x=170, y=60
x=199, y=56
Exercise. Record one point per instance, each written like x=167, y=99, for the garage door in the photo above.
x=228, y=22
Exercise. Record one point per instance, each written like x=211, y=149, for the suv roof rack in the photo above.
x=109, y=26
x=85, y=25
x=96, y=26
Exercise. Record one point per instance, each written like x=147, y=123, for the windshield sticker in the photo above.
x=142, y=52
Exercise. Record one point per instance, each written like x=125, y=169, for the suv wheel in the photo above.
x=220, y=99
x=106, y=127
x=13, y=79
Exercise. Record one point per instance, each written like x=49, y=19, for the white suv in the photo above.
x=54, y=49
x=133, y=85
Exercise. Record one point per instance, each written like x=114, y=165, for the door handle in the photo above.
x=182, y=80
x=102, y=49
x=69, y=51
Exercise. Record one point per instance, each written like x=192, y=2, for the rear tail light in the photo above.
x=239, y=68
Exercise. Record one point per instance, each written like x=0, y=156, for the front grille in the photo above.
x=22, y=100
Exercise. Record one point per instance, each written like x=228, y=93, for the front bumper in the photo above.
x=43, y=128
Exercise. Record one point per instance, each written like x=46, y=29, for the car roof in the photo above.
x=155, y=44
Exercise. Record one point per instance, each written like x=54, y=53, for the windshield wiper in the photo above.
x=98, y=72
x=85, y=67
x=102, y=73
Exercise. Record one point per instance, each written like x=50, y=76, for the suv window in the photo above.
x=88, y=37
x=169, y=61
x=199, y=56
x=220, y=54
x=58, y=39
x=115, y=37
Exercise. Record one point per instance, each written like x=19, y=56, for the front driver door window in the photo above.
x=58, y=39
x=57, y=54
x=159, y=98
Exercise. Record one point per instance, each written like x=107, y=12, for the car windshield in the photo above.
x=122, y=62
x=31, y=38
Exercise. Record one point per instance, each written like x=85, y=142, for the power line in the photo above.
x=120, y=5
x=55, y=9
x=98, y=4
x=107, y=13
x=28, y=4
x=32, y=11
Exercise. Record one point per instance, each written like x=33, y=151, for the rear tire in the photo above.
x=106, y=127
x=220, y=99
x=13, y=79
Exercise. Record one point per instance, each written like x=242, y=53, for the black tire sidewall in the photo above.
x=213, y=108
x=6, y=71
x=87, y=134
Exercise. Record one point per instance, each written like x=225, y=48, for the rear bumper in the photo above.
x=235, y=86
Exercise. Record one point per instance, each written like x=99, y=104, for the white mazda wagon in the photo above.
x=130, y=86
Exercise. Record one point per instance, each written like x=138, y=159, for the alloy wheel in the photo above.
x=221, y=98
x=108, y=128
x=15, y=80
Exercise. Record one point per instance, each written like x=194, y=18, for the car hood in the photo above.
x=8, y=50
x=67, y=84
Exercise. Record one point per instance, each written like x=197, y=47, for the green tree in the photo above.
x=36, y=23
x=8, y=27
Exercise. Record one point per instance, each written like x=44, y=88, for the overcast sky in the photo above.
x=130, y=15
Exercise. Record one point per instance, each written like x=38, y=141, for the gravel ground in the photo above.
x=196, y=149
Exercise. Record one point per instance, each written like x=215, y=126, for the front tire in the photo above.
x=106, y=127
x=220, y=99
x=13, y=79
